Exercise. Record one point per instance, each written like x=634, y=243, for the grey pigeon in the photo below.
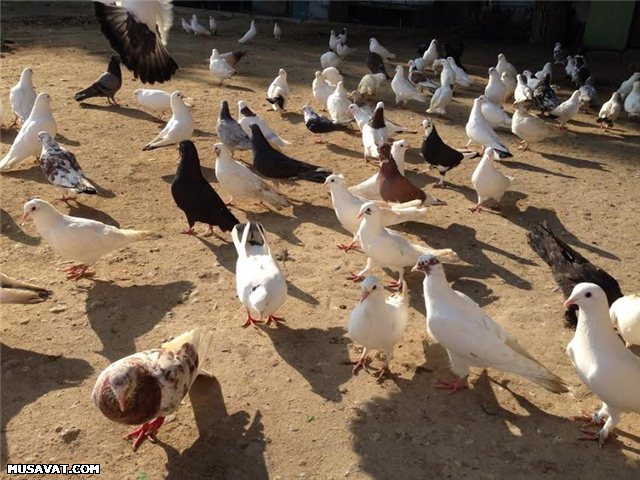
x=106, y=86
x=230, y=131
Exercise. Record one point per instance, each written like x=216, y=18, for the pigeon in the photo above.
x=246, y=118
x=79, y=239
x=343, y=50
x=333, y=40
x=61, y=168
x=523, y=92
x=403, y=89
x=567, y=109
x=213, y=28
x=447, y=75
x=547, y=70
x=148, y=386
x=504, y=66
x=260, y=284
x=106, y=86
x=418, y=78
x=370, y=83
x=374, y=133
x=610, y=111
x=250, y=35
x=26, y=142
x=605, y=366
x=338, y=105
x=273, y=164
x=22, y=96
x=569, y=268
x=440, y=100
x=632, y=102
x=529, y=128
x=488, y=182
x=377, y=323
x=219, y=68
x=625, y=87
x=321, y=89
x=278, y=91
x=241, y=183
x=375, y=47
x=15, y=291
x=368, y=189
x=318, y=124
x=494, y=114
x=186, y=26
x=230, y=132
x=138, y=32
x=332, y=76
x=479, y=131
x=233, y=57
x=580, y=72
x=330, y=59
x=588, y=94
x=545, y=97
x=455, y=53
x=179, y=127
x=625, y=316
x=559, y=55
x=342, y=36
x=157, y=101
x=569, y=67
x=440, y=155
x=197, y=28
x=530, y=79
x=195, y=196
x=375, y=64
x=510, y=83
x=471, y=337
x=363, y=112
x=277, y=31
x=462, y=78
x=430, y=55
x=387, y=249
x=495, y=91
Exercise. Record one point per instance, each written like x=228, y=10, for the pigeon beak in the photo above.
x=569, y=302
x=122, y=402
x=364, y=296
x=416, y=268
x=359, y=216
x=25, y=217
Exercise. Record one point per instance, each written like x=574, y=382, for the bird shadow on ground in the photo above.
x=318, y=216
x=228, y=446
x=316, y=354
x=120, y=314
x=33, y=173
x=239, y=88
x=122, y=110
x=77, y=209
x=67, y=141
x=202, y=134
x=345, y=152
x=27, y=376
x=8, y=135
x=294, y=118
x=301, y=295
x=575, y=162
x=225, y=253
x=10, y=229
x=533, y=168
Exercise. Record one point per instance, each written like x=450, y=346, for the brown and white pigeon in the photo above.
x=145, y=387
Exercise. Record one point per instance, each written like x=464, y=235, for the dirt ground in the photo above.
x=283, y=403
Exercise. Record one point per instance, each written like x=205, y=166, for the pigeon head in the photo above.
x=616, y=96
x=501, y=57
x=333, y=180
x=37, y=209
x=558, y=45
x=176, y=99
x=194, y=17
x=26, y=74
x=42, y=100
x=368, y=210
x=307, y=110
x=353, y=109
x=220, y=149
x=137, y=93
x=224, y=110
x=489, y=153
x=370, y=287
x=46, y=139
x=426, y=263
x=122, y=381
x=587, y=296
x=372, y=40
x=282, y=73
x=244, y=109
x=114, y=66
x=214, y=53
x=427, y=124
x=255, y=235
x=385, y=153
x=189, y=160
x=399, y=70
x=318, y=75
x=400, y=146
x=377, y=119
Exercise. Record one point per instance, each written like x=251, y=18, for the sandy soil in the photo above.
x=284, y=403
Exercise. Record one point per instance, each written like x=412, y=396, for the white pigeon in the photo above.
x=546, y=70
x=375, y=47
x=219, y=67
x=495, y=115
x=532, y=81
x=22, y=96
x=625, y=316
x=495, y=91
x=471, y=337
x=377, y=323
x=627, y=85
x=251, y=33
x=368, y=189
x=448, y=74
x=213, y=27
x=570, y=66
x=332, y=75
x=370, y=83
x=510, y=83
x=403, y=89
x=321, y=90
x=179, y=127
x=462, y=78
x=79, y=239
x=610, y=111
x=197, y=28
x=158, y=101
x=343, y=50
x=567, y=109
x=241, y=183
x=479, y=131
x=529, y=128
x=333, y=40
x=186, y=26
x=440, y=100
x=246, y=118
x=338, y=105
x=260, y=284
x=278, y=91
x=360, y=114
x=632, y=102
x=488, y=182
x=523, y=92
x=430, y=55
x=602, y=362
x=387, y=249
x=26, y=142
x=277, y=31
x=504, y=66
x=330, y=59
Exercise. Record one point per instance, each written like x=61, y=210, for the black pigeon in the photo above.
x=318, y=124
x=195, y=196
x=455, y=53
x=376, y=64
x=544, y=96
x=141, y=48
x=273, y=164
x=422, y=47
x=580, y=72
x=440, y=155
x=106, y=86
x=569, y=268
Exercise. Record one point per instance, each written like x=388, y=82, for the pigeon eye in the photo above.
x=33, y=208
x=374, y=287
x=588, y=294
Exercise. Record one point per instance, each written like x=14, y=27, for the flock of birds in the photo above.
x=145, y=387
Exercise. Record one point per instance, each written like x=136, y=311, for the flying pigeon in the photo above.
x=16, y=291
x=278, y=91
x=610, y=111
x=488, y=182
x=230, y=132
x=106, y=86
x=250, y=35
x=179, y=127
x=246, y=118
x=479, y=131
x=22, y=96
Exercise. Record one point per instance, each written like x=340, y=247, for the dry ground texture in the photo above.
x=283, y=403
